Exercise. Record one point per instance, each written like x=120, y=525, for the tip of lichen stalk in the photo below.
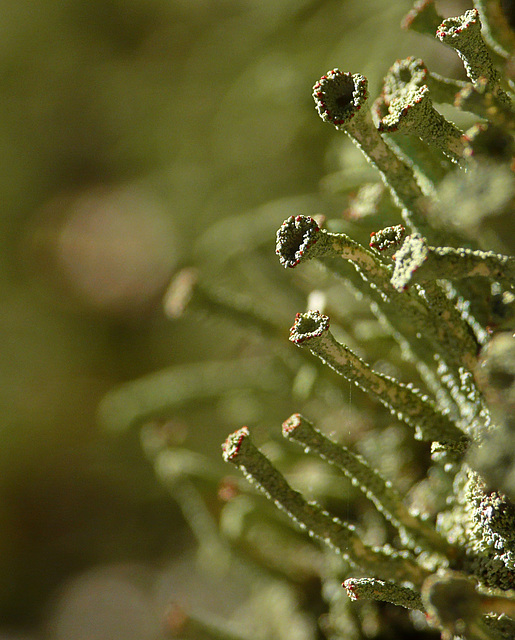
x=180, y=292
x=348, y=585
x=292, y=423
x=453, y=27
x=423, y=13
x=400, y=108
x=387, y=239
x=294, y=237
x=232, y=445
x=311, y=324
x=404, y=75
x=339, y=96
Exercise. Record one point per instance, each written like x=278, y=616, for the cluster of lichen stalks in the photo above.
x=459, y=572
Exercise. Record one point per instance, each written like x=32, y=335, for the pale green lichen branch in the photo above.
x=463, y=33
x=416, y=261
x=159, y=394
x=452, y=336
x=373, y=589
x=422, y=18
x=187, y=292
x=311, y=330
x=412, y=112
x=381, y=561
x=386, y=499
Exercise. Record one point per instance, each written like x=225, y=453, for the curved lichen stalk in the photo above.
x=387, y=500
x=416, y=261
x=311, y=330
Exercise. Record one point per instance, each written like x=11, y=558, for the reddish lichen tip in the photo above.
x=294, y=237
x=311, y=324
x=349, y=586
x=453, y=27
x=292, y=423
x=231, y=446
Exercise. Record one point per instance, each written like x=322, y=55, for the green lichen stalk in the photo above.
x=311, y=330
x=463, y=33
x=380, y=491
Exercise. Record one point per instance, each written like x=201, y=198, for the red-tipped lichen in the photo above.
x=294, y=237
x=388, y=240
x=339, y=96
x=231, y=446
x=308, y=325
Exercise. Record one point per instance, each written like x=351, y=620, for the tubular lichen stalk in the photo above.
x=422, y=18
x=463, y=33
x=340, y=99
x=413, y=112
x=311, y=330
x=374, y=589
x=415, y=261
x=379, y=491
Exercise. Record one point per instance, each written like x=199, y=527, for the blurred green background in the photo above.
x=130, y=130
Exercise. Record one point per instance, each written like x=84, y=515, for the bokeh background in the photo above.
x=138, y=137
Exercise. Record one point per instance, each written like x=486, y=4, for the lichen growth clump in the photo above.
x=430, y=286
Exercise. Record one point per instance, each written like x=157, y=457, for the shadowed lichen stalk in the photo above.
x=380, y=491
